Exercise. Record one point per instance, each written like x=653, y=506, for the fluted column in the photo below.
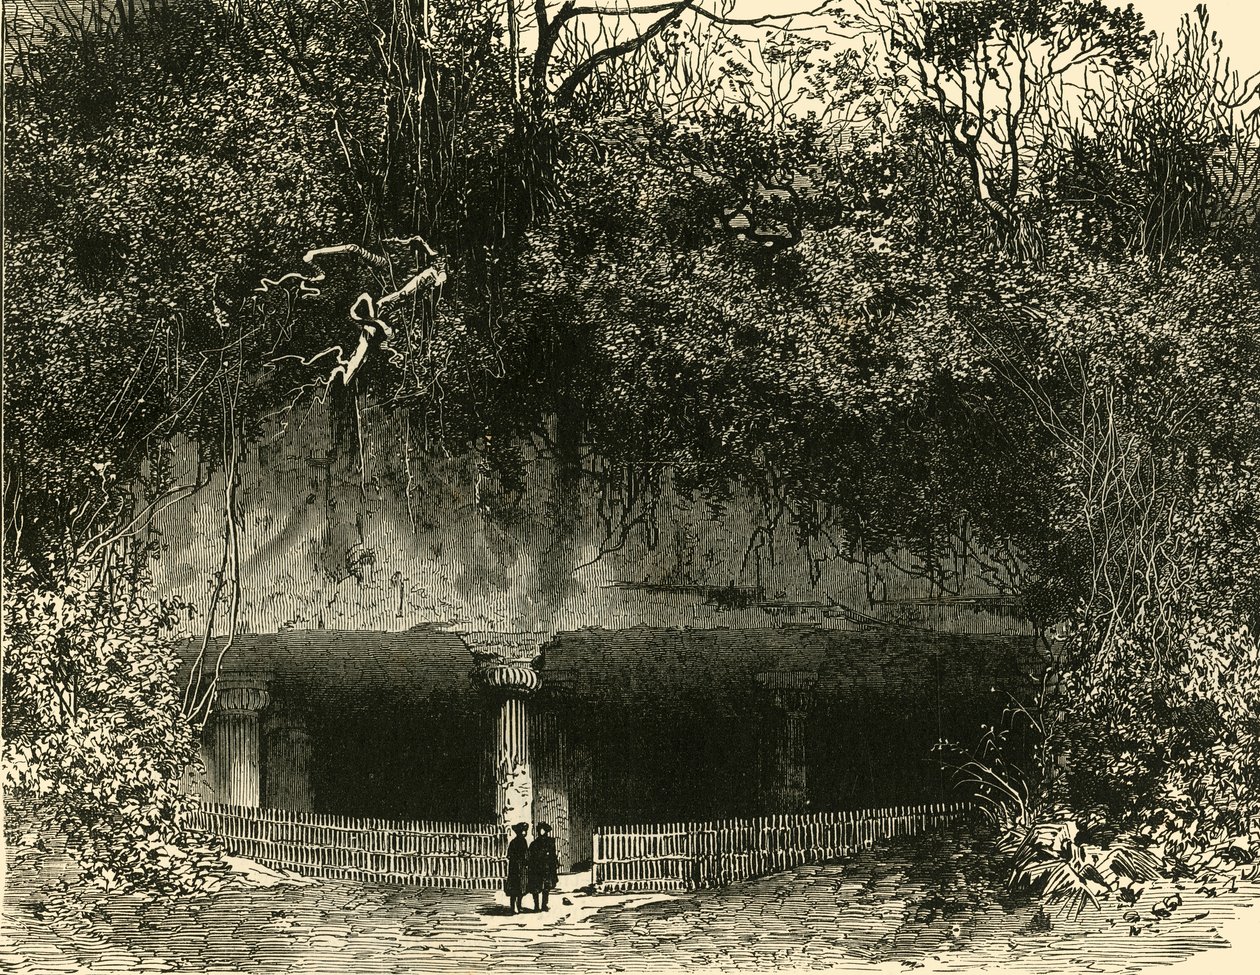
x=786, y=783
x=508, y=686
x=238, y=702
x=289, y=755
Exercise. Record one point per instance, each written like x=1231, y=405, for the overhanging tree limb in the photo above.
x=549, y=32
x=606, y=10
x=580, y=74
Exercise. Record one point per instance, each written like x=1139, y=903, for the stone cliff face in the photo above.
x=404, y=540
x=669, y=641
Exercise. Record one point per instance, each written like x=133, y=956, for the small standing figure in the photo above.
x=543, y=866
x=517, y=867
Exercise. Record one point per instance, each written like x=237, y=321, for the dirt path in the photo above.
x=884, y=910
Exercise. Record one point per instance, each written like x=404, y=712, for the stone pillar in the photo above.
x=289, y=755
x=237, y=704
x=784, y=780
x=551, y=780
x=508, y=685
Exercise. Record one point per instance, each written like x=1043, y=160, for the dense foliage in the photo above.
x=149, y=184
x=94, y=734
x=1021, y=345
x=1062, y=387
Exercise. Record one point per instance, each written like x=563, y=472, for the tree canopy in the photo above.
x=968, y=281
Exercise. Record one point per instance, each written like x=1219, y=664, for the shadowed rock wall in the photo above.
x=404, y=539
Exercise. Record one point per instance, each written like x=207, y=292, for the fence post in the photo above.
x=596, y=857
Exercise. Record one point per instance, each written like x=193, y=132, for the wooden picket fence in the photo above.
x=424, y=854
x=691, y=856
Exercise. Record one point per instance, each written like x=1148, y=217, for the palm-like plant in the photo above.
x=1053, y=862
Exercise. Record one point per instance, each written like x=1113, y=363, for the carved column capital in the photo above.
x=791, y=690
x=284, y=718
x=506, y=662
x=243, y=694
x=516, y=679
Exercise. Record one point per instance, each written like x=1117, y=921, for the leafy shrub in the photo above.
x=94, y=733
x=1053, y=862
x=1014, y=778
x=1173, y=751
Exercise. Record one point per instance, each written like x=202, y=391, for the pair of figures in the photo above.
x=531, y=867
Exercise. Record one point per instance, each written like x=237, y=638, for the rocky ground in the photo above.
x=931, y=903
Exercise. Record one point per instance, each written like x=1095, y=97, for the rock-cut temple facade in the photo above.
x=415, y=640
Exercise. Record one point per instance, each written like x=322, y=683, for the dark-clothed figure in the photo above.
x=517, y=867
x=543, y=866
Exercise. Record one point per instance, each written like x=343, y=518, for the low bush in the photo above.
x=1171, y=752
x=95, y=739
